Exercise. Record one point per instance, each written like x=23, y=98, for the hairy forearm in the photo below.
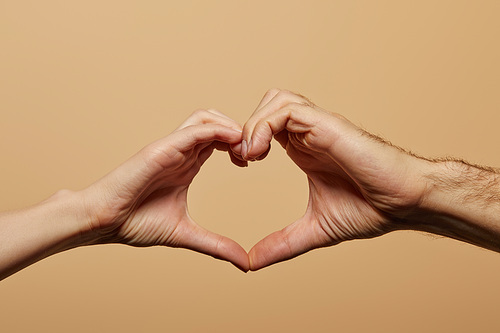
x=33, y=233
x=462, y=202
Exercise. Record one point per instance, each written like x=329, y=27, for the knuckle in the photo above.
x=272, y=92
x=202, y=116
x=284, y=94
x=286, y=97
x=199, y=113
x=289, y=97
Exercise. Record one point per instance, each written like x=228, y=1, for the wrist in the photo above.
x=441, y=183
x=436, y=194
x=419, y=195
x=97, y=218
x=51, y=226
x=76, y=217
x=462, y=201
x=454, y=185
x=70, y=210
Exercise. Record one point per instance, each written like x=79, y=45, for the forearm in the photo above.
x=462, y=202
x=34, y=233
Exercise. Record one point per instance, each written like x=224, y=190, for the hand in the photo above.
x=143, y=202
x=359, y=185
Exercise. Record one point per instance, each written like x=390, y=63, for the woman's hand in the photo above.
x=143, y=202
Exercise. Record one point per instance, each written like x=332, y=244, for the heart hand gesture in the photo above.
x=359, y=187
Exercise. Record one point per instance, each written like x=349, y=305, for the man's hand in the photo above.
x=143, y=202
x=359, y=185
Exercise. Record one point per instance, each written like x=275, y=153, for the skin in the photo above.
x=361, y=186
x=140, y=203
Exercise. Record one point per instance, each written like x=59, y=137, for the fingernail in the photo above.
x=244, y=149
x=250, y=145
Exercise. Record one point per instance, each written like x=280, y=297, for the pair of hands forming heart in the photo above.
x=359, y=186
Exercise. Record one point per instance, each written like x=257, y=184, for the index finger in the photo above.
x=273, y=101
x=293, y=117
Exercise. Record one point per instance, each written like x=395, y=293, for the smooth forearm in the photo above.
x=34, y=233
x=462, y=202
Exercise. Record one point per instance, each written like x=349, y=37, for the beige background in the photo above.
x=85, y=84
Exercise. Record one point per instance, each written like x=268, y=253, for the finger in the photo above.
x=187, y=138
x=191, y=140
x=263, y=155
x=272, y=101
x=202, y=116
x=268, y=96
x=209, y=116
x=265, y=99
x=278, y=100
x=236, y=149
x=236, y=152
x=192, y=236
x=290, y=242
x=217, y=112
x=206, y=152
x=236, y=160
x=294, y=117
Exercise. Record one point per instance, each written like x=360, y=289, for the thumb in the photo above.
x=194, y=237
x=297, y=238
